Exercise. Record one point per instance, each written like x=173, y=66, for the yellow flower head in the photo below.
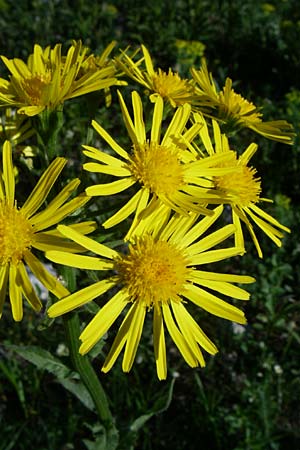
x=49, y=79
x=233, y=110
x=166, y=174
x=168, y=85
x=158, y=275
x=23, y=229
x=241, y=189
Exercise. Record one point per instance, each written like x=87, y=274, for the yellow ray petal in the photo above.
x=191, y=326
x=134, y=336
x=8, y=174
x=47, y=220
x=222, y=287
x=178, y=338
x=15, y=295
x=25, y=285
x=111, y=142
x=79, y=298
x=267, y=217
x=148, y=61
x=159, y=343
x=56, y=203
x=4, y=272
x=215, y=255
x=247, y=155
x=119, y=341
x=202, y=275
x=105, y=158
x=46, y=278
x=79, y=261
x=87, y=242
x=183, y=324
x=125, y=211
x=102, y=321
x=157, y=119
x=101, y=168
x=211, y=240
x=138, y=118
x=184, y=239
x=177, y=124
x=41, y=190
x=127, y=120
x=213, y=304
x=110, y=188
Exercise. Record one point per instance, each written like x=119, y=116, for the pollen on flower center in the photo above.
x=171, y=86
x=36, y=88
x=157, y=168
x=242, y=186
x=16, y=234
x=153, y=271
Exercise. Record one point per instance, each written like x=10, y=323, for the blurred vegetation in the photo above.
x=247, y=396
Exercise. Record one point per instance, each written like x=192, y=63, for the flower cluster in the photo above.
x=173, y=179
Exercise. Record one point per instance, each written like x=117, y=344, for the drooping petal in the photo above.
x=187, y=333
x=119, y=341
x=178, y=338
x=46, y=278
x=159, y=343
x=25, y=285
x=213, y=304
x=4, y=274
x=102, y=321
x=134, y=335
x=15, y=294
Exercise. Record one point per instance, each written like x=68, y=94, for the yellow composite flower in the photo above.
x=94, y=63
x=232, y=109
x=49, y=78
x=157, y=275
x=25, y=228
x=241, y=189
x=168, y=85
x=165, y=173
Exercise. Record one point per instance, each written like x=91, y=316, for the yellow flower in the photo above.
x=233, y=110
x=94, y=63
x=241, y=189
x=49, y=79
x=168, y=175
x=167, y=85
x=24, y=229
x=157, y=275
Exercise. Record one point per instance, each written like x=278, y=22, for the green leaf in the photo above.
x=160, y=406
x=65, y=376
x=103, y=440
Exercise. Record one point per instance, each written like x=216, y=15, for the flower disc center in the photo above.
x=157, y=168
x=153, y=271
x=16, y=234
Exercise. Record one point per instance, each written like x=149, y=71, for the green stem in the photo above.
x=48, y=124
x=86, y=371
